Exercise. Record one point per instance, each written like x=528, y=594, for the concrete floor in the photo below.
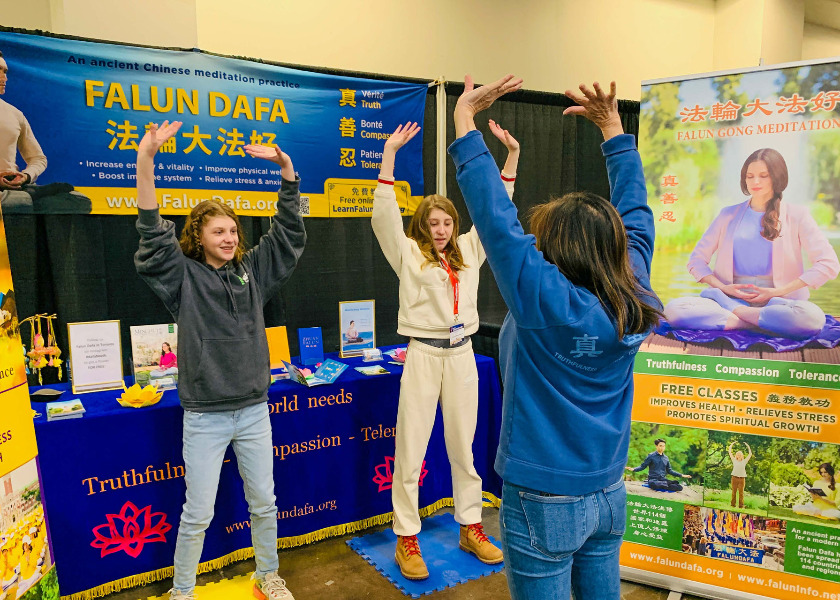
x=331, y=570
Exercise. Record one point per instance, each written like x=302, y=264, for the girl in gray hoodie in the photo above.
x=216, y=291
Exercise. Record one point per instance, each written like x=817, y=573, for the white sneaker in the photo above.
x=179, y=595
x=273, y=587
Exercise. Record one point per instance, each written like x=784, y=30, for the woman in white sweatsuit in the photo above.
x=437, y=366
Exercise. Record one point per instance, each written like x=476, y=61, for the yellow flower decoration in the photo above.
x=137, y=397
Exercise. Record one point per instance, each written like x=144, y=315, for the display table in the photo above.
x=113, y=479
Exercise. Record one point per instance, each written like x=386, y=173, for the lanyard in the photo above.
x=453, y=278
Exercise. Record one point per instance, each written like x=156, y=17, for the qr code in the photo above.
x=304, y=206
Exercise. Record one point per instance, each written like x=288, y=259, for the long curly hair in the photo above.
x=191, y=235
x=771, y=228
x=418, y=230
x=583, y=235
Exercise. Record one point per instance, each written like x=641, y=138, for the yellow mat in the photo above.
x=236, y=587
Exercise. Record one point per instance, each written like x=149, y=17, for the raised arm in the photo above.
x=731, y=454
x=749, y=451
x=275, y=155
x=508, y=176
x=512, y=145
x=401, y=136
x=386, y=218
x=628, y=192
x=535, y=290
x=155, y=138
x=276, y=255
x=159, y=260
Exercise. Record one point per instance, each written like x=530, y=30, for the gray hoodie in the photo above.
x=222, y=348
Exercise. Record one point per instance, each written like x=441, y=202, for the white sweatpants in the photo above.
x=431, y=374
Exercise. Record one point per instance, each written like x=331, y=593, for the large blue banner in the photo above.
x=89, y=103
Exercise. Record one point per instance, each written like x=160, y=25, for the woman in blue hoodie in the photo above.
x=580, y=301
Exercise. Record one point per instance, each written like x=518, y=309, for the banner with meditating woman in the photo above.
x=732, y=461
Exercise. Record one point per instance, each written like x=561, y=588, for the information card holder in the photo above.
x=95, y=356
x=357, y=327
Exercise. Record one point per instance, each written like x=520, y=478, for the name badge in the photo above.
x=456, y=333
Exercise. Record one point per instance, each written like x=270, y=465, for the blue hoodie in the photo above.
x=568, y=378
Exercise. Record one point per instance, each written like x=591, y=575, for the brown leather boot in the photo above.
x=474, y=541
x=410, y=560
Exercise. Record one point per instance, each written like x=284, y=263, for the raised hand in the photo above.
x=504, y=136
x=401, y=136
x=599, y=107
x=156, y=136
x=475, y=99
x=274, y=154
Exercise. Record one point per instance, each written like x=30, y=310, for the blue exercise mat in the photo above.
x=448, y=565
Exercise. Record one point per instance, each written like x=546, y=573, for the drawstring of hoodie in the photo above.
x=228, y=288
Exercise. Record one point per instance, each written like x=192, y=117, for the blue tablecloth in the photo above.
x=113, y=483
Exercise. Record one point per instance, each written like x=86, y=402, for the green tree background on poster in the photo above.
x=790, y=456
x=685, y=447
x=797, y=462
x=696, y=167
x=824, y=146
x=719, y=466
x=717, y=492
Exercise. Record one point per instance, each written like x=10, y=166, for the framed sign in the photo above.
x=95, y=356
x=356, y=324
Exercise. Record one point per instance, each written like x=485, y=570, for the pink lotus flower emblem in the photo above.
x=130, y=530
x=384, y=477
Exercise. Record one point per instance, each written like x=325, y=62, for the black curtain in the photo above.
x=81, y=266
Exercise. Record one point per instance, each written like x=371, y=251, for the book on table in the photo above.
x=67, y=409
x=311, y=345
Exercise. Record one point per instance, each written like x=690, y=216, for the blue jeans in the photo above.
x=556, y=545
x=206, y=437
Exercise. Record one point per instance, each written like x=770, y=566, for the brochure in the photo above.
x=326, y=373
x=397, y=355
x=68, y=409
x=375, y=370
x=279, y=373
